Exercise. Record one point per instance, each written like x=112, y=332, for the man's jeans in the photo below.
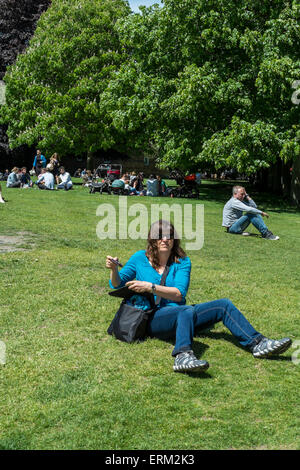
x=182, y=321
x=242, y=223
x=43, y=186
x=66, y=186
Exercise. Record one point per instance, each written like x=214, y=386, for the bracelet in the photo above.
x=153, y=288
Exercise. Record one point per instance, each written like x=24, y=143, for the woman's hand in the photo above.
x=139, y=286
x=110, y=264
x=114, y=272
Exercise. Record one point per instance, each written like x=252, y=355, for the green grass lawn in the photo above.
x=67, y=384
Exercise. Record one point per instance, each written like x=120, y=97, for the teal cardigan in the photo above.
x=138, y=267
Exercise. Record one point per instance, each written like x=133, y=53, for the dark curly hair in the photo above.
x=158, y=230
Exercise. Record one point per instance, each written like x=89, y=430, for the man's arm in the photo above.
x=237, y=204
x=251, y=203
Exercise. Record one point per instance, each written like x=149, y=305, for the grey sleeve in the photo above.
x=245, y=207
x=251, y=203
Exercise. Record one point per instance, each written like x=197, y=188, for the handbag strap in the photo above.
x=163, y=281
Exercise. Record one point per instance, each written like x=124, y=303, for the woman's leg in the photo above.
x=209, y=313
x=174, y=322
x=180, y=322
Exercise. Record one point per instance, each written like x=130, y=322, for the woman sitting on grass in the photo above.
x=12, y=179
x=174, y=319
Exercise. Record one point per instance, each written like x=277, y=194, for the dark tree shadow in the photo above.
x=220, y=191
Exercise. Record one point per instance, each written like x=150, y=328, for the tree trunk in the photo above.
x=286, y=179
x=274, y=177
x=90, y=161
x=295, y=186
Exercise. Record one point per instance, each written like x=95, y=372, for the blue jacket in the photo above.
x=11, y=179
x=43, y=161
x=138, y=267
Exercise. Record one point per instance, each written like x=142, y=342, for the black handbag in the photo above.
x=130, y=323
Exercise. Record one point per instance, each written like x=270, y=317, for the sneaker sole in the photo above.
x=284, y=347
x=198, y=368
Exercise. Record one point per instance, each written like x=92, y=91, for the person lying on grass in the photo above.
x=236, y=222
x=173, y=318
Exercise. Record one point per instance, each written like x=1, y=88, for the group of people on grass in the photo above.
x=53, y=173
x=20, y=178
x=47, y=175
x=132, y=182
x=143, y=271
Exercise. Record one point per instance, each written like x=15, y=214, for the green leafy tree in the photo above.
x=193, y=82
x=53, y=91
x=210, y=81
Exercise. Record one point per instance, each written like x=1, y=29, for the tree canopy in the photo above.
x=211, y=81
x=54, y=89
x=190, y=83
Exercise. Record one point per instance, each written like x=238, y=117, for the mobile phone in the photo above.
x=117, y=262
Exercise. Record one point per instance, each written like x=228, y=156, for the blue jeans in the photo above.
x=181, y=322
x=66, y=186
x=242, y=223
x=133, y=190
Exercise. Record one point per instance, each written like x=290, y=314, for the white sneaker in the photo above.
x=187, y=362
x=267, y=347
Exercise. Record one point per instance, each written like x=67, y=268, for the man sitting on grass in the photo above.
x=65, y=180
x=236, y=222
x=152, y=186
x=45, y=179
x=25, y=179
